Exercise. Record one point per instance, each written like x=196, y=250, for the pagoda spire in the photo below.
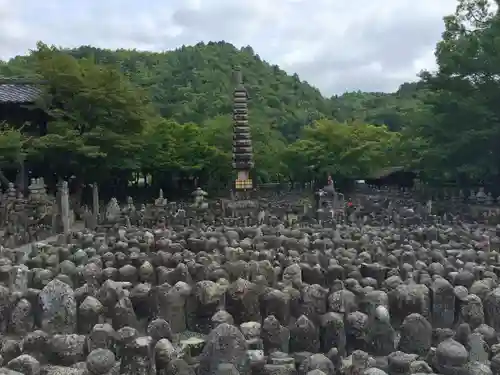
x=242, y=140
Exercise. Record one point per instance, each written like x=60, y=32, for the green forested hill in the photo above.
x=194, y=84
x=168, y=114
x=115, y=113
x=396, y=110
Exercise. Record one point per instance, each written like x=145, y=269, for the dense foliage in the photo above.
x=463, y=96
x=168, y=115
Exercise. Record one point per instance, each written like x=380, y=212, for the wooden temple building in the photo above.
x=18, y=108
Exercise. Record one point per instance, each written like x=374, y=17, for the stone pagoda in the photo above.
x=242, y=141
x=243, y=163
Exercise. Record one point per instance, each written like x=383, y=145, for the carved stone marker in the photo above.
x=65, y=214
x=95, y=204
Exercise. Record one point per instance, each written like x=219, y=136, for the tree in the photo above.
x=97, y=117
x=349, y=150
x=12, y=144
x=180, y=150
x=217, y=134
x=464, y=96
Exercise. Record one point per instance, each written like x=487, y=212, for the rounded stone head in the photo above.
x=382, y=314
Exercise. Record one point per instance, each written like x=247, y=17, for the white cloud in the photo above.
x=335, y=45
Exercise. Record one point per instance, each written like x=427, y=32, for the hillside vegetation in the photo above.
x=116, y=113
x=194, y=84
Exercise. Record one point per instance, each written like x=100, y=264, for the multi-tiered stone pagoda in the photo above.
x=242, y=140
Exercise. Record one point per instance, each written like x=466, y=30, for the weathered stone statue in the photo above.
x=481, y=196
x=161, y=201
x=199, y=196
x=113, y=211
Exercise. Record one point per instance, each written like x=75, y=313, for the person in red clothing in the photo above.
x=349, y=207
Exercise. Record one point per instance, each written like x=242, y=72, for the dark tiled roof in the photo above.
x=385, y=172
x=19, y=92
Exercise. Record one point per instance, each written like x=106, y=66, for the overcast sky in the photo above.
x=336, y=45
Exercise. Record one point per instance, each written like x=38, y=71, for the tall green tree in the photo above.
x=349, y=150
x=463, y=96
x=173, y=150
x=12, y=144
x=97, y=117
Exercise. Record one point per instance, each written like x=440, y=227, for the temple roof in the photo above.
x=19, y=91
x=384, y=172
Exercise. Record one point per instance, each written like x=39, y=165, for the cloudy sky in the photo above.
x=337, y=45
